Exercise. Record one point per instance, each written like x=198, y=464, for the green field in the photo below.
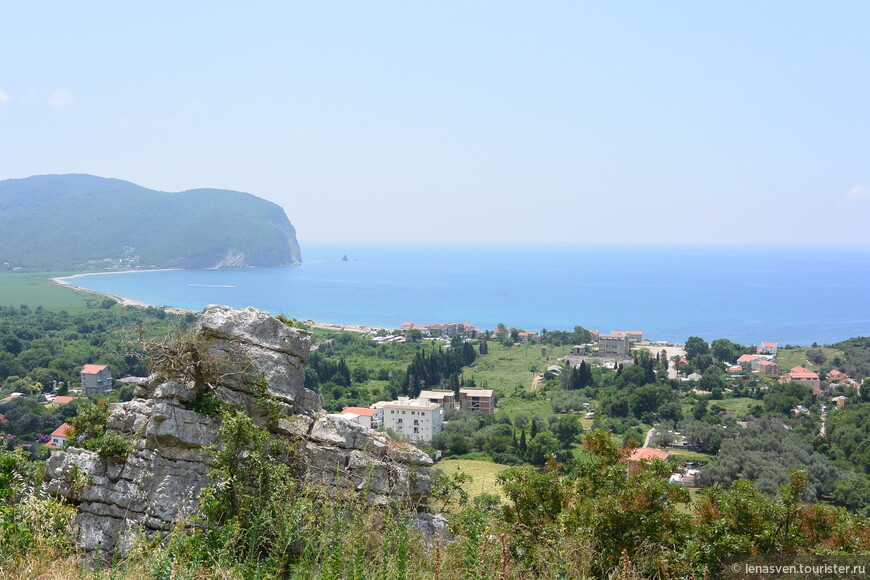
x=513, y=406
x=37, y=289
x=483, y=474
x=507, y=367
x=793, y=357
x=737, y=407
x=681, y=455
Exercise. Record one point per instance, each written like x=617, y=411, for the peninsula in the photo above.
x=83, y=222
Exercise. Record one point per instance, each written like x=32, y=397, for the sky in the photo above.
x=631, y=122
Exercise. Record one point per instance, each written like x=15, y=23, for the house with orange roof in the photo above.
x=767, y=348
x=836, y=375
x=527, y=336
x=749, y=361
x=498, y=333
x=96, y=379
x=644, y=455
x=802, y=376
x=60, y=436
x=59, y=400
x=369, y=418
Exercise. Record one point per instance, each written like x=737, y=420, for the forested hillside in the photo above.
x=52, y=222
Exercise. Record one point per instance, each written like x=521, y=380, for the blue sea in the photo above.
x=787, y=295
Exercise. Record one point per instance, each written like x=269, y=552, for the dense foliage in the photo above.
x=42, y=351
x=56, y=222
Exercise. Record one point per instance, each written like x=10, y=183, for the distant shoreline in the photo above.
x=738, y=293
x=64, y=282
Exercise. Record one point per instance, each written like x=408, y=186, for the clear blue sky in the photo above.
x=665, y=122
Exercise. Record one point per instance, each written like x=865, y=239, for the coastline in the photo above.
x=64, y=282
x=671, y=296
x=123, y=301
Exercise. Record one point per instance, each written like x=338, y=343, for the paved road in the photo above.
x=649, y=436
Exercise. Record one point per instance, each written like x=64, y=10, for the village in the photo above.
x=421, y=418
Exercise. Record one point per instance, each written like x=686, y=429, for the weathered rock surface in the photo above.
x=159, y=483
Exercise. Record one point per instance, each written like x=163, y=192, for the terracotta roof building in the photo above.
x=96, y=379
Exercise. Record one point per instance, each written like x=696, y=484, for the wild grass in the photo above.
x=797, y=356
x=504, y=368
x=737, y=407
x=483, y=474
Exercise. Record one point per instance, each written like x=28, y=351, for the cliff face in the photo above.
x=158, y=484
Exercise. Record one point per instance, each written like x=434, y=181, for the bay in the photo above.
x=789, y=295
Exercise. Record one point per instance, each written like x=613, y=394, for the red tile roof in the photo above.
x=806, y=375
x=768, y=344
x=92, y=369
x=62, y=400
x=64, y=430
x=798, y=370
x=642, y=453
x=359, y=411
x=747, y=357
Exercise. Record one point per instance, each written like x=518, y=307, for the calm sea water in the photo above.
x=749, y=295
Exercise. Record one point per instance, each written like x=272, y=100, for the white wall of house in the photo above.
x=416, y=419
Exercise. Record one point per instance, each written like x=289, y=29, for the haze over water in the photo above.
x=746, y=294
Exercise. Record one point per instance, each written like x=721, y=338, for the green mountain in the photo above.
x=53, y=222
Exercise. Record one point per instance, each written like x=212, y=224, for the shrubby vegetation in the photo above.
x=584, y=518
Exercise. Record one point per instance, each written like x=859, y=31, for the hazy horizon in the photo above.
x=493, y=122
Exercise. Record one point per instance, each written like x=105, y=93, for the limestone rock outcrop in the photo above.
x=158, y=484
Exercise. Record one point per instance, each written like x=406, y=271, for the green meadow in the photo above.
x=37, y=289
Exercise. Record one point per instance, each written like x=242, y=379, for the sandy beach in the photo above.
x=65, y=281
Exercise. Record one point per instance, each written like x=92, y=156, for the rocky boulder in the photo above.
x=158, y=483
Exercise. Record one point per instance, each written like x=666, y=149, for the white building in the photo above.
x=60, y=436
x=369, y=418
x=768, y=348
x=416, y=419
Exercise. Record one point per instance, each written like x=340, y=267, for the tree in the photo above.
x=672, y=411
x=723, y=350
x=695, y=347
x=414, y=335
x=566, y=429
x=816, y=356
x=542, y=447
